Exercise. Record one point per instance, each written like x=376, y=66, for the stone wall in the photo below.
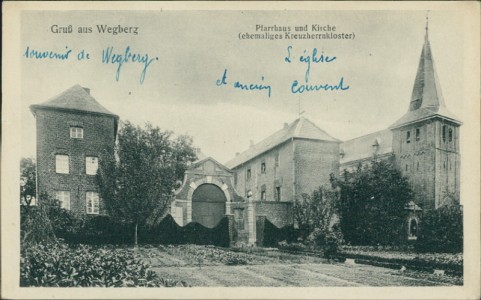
x=278, y=213
x=314, y=162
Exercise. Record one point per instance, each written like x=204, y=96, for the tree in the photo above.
x=373, y=201
x=137, y=185
x=316, y=216
x=28, y=181
x=441, y=230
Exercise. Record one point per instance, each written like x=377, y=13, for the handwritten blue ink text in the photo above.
x=38, y=54
x=109, y=57
x=309, y=58
x=299, y=89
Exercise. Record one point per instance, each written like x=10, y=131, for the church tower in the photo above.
x=426, y=139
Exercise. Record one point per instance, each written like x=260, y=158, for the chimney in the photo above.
x=286, y=125
x=87, y=90
x=251, y=143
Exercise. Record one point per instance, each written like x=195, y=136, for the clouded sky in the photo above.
x=179, y=91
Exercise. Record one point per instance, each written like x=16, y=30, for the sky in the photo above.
x=190, y=51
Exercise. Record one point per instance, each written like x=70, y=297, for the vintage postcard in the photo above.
x=271, y=150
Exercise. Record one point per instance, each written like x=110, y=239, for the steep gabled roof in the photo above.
x=75, y=98
x=427, y=99
x=364, y=147
x=300, y=128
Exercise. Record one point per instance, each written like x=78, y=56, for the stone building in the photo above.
x=73, y=131
x=424, y=142
x=293, y=161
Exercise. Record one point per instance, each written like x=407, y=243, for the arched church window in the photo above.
x=444, y=133
x=408, y=137
x=450, y=134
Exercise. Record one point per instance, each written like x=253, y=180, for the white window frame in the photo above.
x=62, y=162
x=76, y=132
x=64, y=198
x=92, y=198
x=91, y=165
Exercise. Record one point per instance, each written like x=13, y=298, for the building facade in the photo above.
x=73, y=132
x=293, y=161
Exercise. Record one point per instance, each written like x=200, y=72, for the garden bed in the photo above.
x=61, y=265
x=451, y=263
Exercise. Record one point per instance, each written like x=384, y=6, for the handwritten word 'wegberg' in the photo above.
x=109, y=57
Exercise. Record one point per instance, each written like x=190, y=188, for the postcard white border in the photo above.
x=11, y=145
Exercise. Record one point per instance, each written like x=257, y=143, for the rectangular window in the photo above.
x=92, y=203
x=408, y=137
x=64, y=198
x=278, y=193
x=263, y=195
x=263, y=168
x=418, y=134
x=91, y=165
x=61, y=164
x=76, y=132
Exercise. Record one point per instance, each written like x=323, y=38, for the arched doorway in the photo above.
x=208, y=205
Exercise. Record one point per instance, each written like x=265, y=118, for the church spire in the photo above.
x=426, y=90
x=426, y=99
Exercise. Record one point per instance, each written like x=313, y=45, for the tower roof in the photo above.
x=76, y=98
x=427, y=99
x=300, y=128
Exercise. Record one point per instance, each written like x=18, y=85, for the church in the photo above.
x=262, y=182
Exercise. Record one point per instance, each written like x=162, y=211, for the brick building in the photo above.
x=73, y=131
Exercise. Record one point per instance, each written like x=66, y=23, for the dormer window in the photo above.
x=408, y=137
x=76, y=132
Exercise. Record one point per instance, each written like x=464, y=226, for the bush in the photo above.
x=59, y=265
x=441, y=230
x=35, y=226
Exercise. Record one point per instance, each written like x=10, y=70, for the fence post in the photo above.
x=260, y=221
x=232, y=229
x=251, y=222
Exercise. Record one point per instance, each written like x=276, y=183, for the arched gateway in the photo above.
x=206, y=194
x=208, y=205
